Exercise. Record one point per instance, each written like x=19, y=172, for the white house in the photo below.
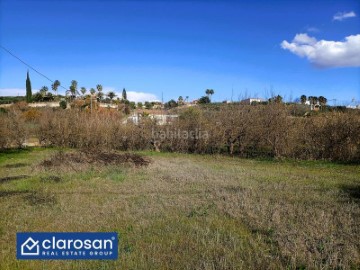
x=161, y=119
x=249, y=101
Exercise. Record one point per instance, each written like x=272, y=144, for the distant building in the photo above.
x=163, y=119
x=250, y=101
x=158, y=105
x=195, y=101
x=160, y=119
x=106, y=105
x=353, y=106
x=313, y=107
x=44, y=104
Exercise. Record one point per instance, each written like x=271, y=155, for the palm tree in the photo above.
x=303, y=99
x=209, y=92
x=73, y=89
x=44, y=90
x=100, y=95
x=311, y=100
x=111, y=95
x=315, y=99
x=83, y=90
x=74, y=83
x=99, y=87
x=92, y=92
x=276, y=99
x=322, y=100
x=55, y=86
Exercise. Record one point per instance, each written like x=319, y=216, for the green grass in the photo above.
x=188, y=211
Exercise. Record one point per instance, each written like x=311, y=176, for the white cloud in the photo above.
x=313, y=29
x=12, y=92
x=343, y=15
x=304, y=39
x=138, y=96
x=131, y=95
x=324, y=53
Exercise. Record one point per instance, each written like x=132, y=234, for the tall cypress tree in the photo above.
x=28, y=88
x=124, y=96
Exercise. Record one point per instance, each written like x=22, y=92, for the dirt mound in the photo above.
x=73, y=159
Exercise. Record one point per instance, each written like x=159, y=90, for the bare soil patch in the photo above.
x=72, y=159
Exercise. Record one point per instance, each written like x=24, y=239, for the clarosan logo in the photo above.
x=66, y=246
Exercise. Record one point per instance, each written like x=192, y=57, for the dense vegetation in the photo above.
x=11, y=99
x=248, y=131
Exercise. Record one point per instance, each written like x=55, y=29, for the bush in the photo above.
x=32, y=115
x=204, y=100
x=63, y=104
x=13, y=131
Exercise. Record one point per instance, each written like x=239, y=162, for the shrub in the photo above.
x=13, y=131
x=32, y=115
x=204, y=100
x=63, y=104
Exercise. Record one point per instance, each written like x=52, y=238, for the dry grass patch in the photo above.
x=92, y=157
x=191, y=212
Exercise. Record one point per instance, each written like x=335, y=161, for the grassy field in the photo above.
x=188, y=211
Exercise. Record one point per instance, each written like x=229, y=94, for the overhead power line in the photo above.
x=29, y=66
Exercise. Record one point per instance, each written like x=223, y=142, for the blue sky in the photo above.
x=238, y=48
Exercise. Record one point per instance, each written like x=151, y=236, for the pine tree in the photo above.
x=28, y=88
x=124, y=96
